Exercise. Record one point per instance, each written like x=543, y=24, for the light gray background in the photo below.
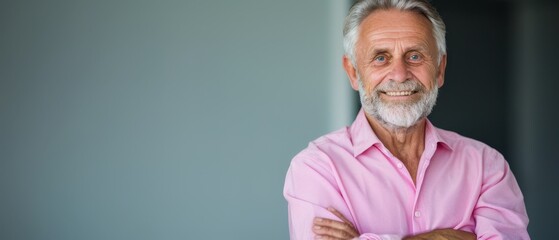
x=158, y=119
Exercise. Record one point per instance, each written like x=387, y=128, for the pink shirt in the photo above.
x=461, y=184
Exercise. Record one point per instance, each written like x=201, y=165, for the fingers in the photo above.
x=331, y=229
x=340, y=215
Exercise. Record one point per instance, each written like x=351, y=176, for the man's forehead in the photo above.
x=383, y=28
x=395, y=20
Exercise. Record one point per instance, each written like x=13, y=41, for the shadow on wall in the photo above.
x=499, y=88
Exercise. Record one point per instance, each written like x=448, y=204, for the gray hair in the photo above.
x=363, y=8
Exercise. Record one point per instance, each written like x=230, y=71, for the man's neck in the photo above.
x=407, y=144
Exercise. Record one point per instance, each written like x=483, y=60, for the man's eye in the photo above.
x=415, y=57
x=380, y=58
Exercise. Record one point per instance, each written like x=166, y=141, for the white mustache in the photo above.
x=392, y=86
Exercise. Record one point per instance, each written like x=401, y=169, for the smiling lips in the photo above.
x=400, y=93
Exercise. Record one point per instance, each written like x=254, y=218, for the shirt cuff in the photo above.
x=370, y=236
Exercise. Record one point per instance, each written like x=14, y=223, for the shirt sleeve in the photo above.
x=310, y=188
x=500, y=212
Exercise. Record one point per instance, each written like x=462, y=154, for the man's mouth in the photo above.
x=399, y=93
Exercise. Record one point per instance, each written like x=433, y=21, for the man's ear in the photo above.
x=351, y=73
x=442, y=68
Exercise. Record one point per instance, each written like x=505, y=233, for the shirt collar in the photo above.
x=432, y=136
x=363, y=137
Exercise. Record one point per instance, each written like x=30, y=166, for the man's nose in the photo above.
x=399, y=71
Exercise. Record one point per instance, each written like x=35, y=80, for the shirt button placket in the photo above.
x=416, y=222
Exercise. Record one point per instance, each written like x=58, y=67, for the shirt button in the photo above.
x=417, y=214
x=399, y=165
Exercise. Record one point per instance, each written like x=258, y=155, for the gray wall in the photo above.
x=159, y=119
x=500, y=87
x=536, y=111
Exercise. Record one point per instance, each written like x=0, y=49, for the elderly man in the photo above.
x=392, y=174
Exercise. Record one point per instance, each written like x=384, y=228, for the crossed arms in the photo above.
x=320, y=205
x=329, y=229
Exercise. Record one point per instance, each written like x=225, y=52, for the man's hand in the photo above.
x=334, y=230
x=443, y=234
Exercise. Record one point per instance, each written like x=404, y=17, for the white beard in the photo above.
x=401, y=114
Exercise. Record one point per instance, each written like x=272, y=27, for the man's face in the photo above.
x=396, y=69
